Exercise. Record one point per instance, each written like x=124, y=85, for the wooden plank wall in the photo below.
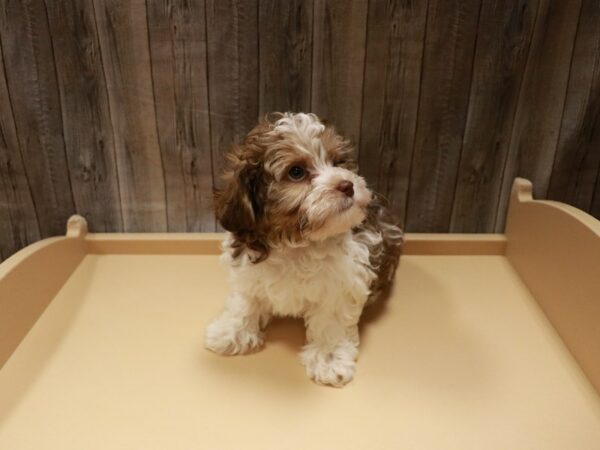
x=121, y=111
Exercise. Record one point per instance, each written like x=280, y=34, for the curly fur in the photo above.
x=306, y=248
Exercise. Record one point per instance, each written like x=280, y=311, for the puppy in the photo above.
x=306, y=239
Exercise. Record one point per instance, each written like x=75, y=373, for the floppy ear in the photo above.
x=239, y=205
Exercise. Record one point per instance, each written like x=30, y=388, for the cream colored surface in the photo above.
x=454, y=244
x=460, y=357
x=556, y=250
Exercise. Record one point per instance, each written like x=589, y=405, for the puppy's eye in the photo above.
x=340, y=162
x=297, y=173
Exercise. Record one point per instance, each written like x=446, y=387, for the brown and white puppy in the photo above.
x=306, y=239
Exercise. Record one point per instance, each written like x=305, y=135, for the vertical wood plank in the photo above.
x=340, y=30
x=538, y=118
x=232, y=44
x=577, y=162
x=446, y=80
x=8, y=235
x=394, y=52
x=595, y=207
x=18, y=221
x=88, y=131
x=123, y=33
x=178, y=50
x=505, y=30
x=285, y=55
x=31, y=80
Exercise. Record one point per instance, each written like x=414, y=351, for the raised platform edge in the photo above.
x=555, y=248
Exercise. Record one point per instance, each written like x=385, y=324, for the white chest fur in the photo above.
x=295, y=280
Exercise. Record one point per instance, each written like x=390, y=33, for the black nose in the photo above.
x=346, y=187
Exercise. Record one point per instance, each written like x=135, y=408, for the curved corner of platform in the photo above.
x=555, y=248
x=52, y=251
x=522, y=190
x=30, y=278
x=77, y=227
x=522, y=200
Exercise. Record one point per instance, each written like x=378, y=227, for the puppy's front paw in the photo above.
x=226, y=337
x=334, y=368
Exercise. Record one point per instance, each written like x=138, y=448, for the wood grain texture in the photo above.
x=576, y=168
x=595, y=207
x=285, y=29
x=88, y=132
x=390, y=97
x=445, y=85
x=232, y=44
x=18, y=221
x=178, y=49
x=504, y=36
x=31, y=80
x=339, y=30
x=122, y=110
x=123, y=33
x=539, y=112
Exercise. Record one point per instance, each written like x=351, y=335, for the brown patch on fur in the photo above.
x=239, y=207
x=385, y=255
x=339, y=150
x=242, y=206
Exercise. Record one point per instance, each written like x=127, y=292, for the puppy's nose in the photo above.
x=346, y=187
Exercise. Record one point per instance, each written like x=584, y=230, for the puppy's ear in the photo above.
x=239, y=205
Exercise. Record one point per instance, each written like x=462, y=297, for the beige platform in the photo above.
x=487, y=342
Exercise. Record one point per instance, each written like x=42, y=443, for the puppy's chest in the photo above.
x=294, y=280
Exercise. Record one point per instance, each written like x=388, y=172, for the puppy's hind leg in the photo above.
x=238, y=329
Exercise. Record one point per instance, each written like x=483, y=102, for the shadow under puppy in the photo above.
x=306, y=239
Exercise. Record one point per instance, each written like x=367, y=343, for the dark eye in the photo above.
x=340, y=162
x=296, y=173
